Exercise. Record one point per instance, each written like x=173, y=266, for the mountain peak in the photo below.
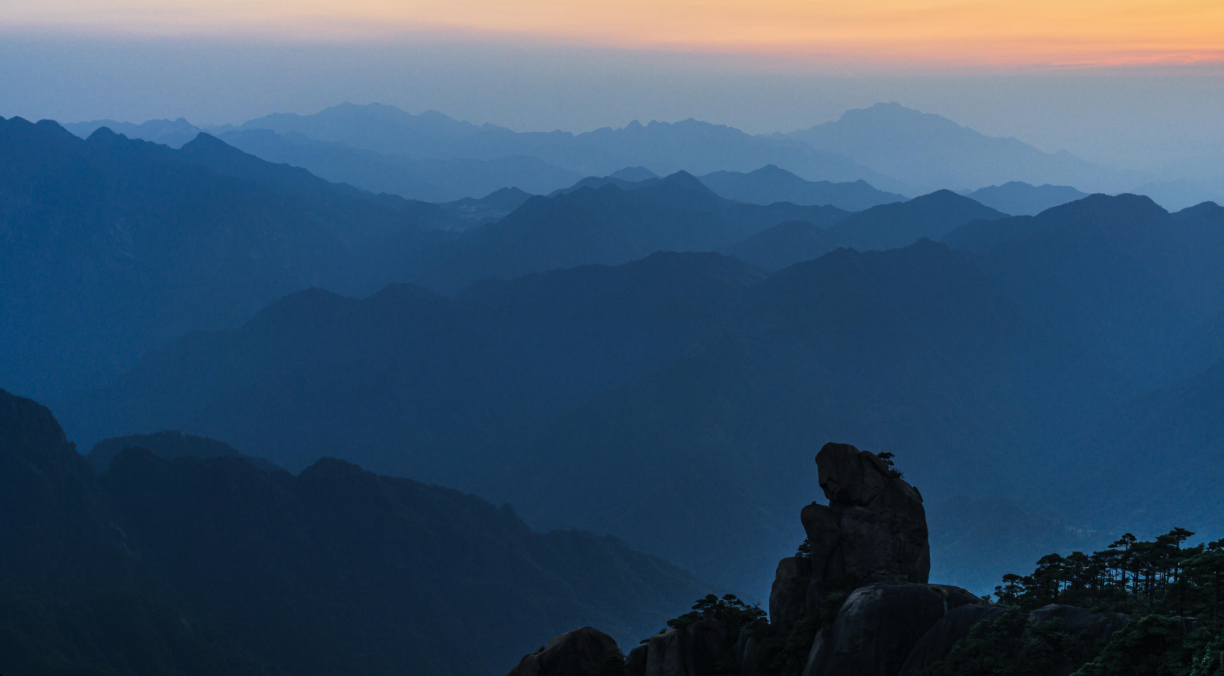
x=685, y=181
x=26, y=424
x=102, y=135
x=772, y=171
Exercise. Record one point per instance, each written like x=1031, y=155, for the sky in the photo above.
x=1132, y=83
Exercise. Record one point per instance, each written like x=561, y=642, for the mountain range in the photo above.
x=433, y=157
x=664, y=148
x=575, y=372
x=423, y=178
x=620, y=398
x=929, y=152
x=116, y=245
x=197, y=566
x=609, y=225
x=887, y=226
x=771, y=184
x=1021, y=199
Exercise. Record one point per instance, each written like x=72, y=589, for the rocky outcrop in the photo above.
x=788, y=595
x=873, y=530
x=874, y=527
x=583, y=652
x=870, y=542
x=635, y=661
x=939, y=640
x=866, y=562
x=879, y=625
x=699, y=649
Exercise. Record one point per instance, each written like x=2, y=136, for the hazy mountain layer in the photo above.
x=213, y=565
x=114, y=245
x=428, y=179
x=930, y=152
x=664, y=148
x=1159, y=454
x=1021, y=199
x=173, y=133
x=1119, y=274
x=621, y=399
x=771, y=184
x=887, y=226
x=609, y=225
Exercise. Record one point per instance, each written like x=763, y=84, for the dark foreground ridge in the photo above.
x=202, y=566
x=855, y=601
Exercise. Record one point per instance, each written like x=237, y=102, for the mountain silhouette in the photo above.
x=1021, y=199
x=1181, y=193
x=117, y=245
x=173, y=133
x=428, y=179
x=685, y=365
x=1118, y=273
x=168, y=444
x=488, y=209
x=214, y=565
x=771, y=184
x=994, y=359
x=609, y=226
x=783, y=245
x=663, y=148
x=887, y=226
x=930, y=152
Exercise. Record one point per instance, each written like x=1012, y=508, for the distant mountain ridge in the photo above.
x=690, y=364
x=422, y=178
x=771, y=184
x=886, y=226
x=1021, y=199
x=931, y=152
x=173, y=133
x=664, y=148
x=210, y=565
x=437, y=158
x=118, y=244
x=608, y=225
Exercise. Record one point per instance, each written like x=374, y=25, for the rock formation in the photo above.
x=862, y=581
x=873, y=530
x=878, y=627
x=583, y=652
x=939, y=640
x=695, y=650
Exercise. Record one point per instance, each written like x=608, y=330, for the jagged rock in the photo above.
x=873, y=529
x=939, y=640
x=878, y=627
x=635, y=661
x=695, y=650
x=851, y=477
x=788, y=595
x=574, y=653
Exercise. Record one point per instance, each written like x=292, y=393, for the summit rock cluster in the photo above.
x=854, y=601
x=872, y=531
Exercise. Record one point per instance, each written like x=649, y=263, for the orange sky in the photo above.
x=949, y=32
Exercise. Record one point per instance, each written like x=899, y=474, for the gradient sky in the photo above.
x=1133, y=83
x=883, y=32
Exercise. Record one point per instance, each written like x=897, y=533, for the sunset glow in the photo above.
x=965, y=32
